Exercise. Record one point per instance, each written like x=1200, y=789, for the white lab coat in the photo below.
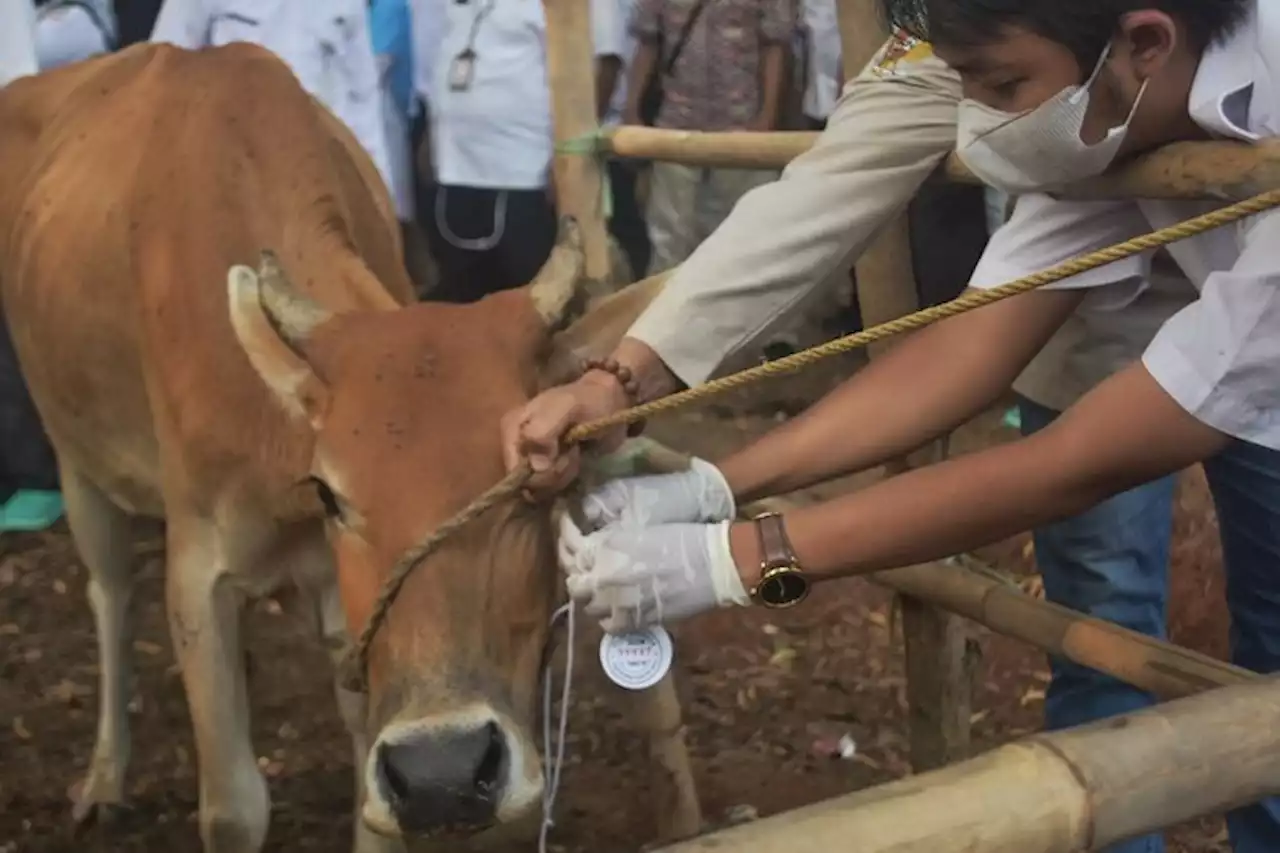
x=325, y=42
x=1219, y=358
x=17, y=40
x=71, y=30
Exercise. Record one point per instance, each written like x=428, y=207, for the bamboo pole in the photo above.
x=1080, y=789
x=939, y=685
x=579, y=185
x=1164, y=669
x=571, y=76
x=1196, y=170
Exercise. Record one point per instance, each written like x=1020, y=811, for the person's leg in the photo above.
x=1109, y=562
x=1245, y=481
x=673, y=192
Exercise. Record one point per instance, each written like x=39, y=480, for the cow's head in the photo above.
x=404, y=408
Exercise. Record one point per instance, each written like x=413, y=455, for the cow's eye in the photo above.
x=332, y=506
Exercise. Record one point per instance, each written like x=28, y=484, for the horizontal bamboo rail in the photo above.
x=1166, y=670
x=1209, y=170
x=1080, y=789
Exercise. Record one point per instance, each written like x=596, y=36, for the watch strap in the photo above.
x=775, y=546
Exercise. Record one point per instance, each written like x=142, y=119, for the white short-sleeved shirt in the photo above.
x=325, y=42
x=822, y=35
x=17, y=40
x=1219, y=357
x=497, y=134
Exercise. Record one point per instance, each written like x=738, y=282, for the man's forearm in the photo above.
x=642, y=68
x=773, y=65
x=785, y=239
x=607, y=68
x=1125, y=433
x=932, y=382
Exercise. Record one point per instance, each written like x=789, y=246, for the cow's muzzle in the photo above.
x=451, y=777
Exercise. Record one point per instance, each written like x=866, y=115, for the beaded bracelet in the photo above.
x=622, y=373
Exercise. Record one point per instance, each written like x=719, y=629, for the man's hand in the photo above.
x=536, y=430
x=699, y=495
x=634, y=577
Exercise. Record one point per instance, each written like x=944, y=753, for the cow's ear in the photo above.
x=273, y=323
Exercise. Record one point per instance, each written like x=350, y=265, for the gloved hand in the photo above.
x=634, y=577
x=698, y=495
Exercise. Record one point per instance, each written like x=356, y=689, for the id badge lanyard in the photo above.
x=462, y=68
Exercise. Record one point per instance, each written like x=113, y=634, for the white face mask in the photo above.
x=1041, y=148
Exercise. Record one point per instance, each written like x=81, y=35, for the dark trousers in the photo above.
x=627, y=224
x=486, y=240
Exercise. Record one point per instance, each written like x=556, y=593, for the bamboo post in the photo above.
x=579, y=185
x=938, y=679
x=1080, y=789
x=578, y=172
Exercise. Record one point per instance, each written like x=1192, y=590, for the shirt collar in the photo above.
x=1230, y=96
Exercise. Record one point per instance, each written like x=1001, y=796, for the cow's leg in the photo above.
x=204, y=618
x=102, y=535
x=353, y=708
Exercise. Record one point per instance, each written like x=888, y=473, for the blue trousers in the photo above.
x=1111, y=562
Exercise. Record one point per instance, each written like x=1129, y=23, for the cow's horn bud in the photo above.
x=554, y=289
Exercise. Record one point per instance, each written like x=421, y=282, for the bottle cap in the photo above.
x=638, y=660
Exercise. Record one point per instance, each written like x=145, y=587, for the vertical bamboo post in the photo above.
x=578, y=171
x=938, y=682
x=579, y=190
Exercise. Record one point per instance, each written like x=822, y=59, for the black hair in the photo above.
x=1082, y=26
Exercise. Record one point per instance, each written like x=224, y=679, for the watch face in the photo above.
x=784, y=589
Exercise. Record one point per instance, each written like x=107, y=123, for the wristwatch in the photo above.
x=782, y=582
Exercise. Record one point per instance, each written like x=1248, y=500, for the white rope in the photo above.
x=555, y=760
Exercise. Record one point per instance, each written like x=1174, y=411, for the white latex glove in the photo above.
x=633, y=577
x=699, y=495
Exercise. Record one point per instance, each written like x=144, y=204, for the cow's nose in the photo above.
x=444, y=780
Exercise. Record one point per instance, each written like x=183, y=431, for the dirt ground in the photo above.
x=762, y=696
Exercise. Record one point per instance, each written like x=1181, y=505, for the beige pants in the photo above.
x=687, y=203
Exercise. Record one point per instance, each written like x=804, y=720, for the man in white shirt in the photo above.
x=1153, y=72
x=489, y=214
x=325, y=42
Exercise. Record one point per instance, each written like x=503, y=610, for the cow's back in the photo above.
x=143, y=178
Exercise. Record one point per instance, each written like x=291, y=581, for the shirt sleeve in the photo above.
x=777, y=21
x=1043, y=232
x=608, y=28
x=646, y=19
x=1220, y=356
x=784, y=239
x=184, y=23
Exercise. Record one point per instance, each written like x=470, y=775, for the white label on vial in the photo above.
x=638, y=660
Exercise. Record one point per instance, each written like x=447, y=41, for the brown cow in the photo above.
x=287, y=435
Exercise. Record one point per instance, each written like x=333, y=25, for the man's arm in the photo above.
x=784, y=239
x=1126, y=432
x=934, y=381
x=609, y=36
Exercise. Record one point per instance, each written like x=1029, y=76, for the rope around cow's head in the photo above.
x=355, y=674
